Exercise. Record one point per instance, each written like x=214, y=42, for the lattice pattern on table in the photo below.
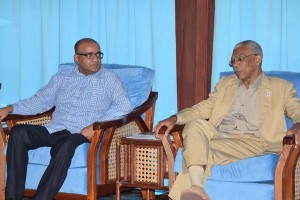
x=297, y=180
x=146, y=164
x=124, y=131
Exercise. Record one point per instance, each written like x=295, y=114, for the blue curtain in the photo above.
x=36, y=36
x=274, y=24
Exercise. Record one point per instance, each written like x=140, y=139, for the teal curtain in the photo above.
x=274, y=24
x=36, y=36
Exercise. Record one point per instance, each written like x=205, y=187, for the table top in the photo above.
x=141, y=138
x=144, y=136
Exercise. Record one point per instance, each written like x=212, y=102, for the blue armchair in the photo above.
x=251, y=178
x=92, y=171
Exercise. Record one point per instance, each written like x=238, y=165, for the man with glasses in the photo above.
x=234, y=122
x=81, y=96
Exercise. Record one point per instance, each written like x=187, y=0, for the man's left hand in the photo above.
x=88, y=132
x=296, y=131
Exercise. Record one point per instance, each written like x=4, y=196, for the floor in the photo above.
x=136, y=195
x=131, y=195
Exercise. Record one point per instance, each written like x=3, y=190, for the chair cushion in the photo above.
x=76, y=181
x=41, y=156
x=219, y=190
x=136, y=79
x=254, y=169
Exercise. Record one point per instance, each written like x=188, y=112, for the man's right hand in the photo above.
x=5, y=111
x=169, y=123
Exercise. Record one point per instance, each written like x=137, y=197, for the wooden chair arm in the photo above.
x=288, y=140
x=287, y=173
x=3, y=141
x=176, y=133
x=4, y=134
x=170, y=149
x=40, y=118
x=12, y=119
x=26, y=117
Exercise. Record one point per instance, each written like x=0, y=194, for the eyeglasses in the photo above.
x=240, y=59
x=90, y=55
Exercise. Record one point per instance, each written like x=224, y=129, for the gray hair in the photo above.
x=254, y=46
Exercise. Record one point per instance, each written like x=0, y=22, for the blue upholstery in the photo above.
x=251, y=178
x=219, y=190
x=41, y=156
x=138, y=82
x=76, y=181
x=244, y=170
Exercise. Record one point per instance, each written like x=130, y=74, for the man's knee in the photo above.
x=68, y=145
x=64, y=148
x=18, y=132
x=197, y=126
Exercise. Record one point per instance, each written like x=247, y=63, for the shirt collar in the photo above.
x=76, y=70
x=256, y=83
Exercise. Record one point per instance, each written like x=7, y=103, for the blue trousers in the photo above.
x=27, y=137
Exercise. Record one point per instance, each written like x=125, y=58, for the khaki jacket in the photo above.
x=277, y=97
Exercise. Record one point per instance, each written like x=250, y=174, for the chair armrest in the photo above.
x=288, y=140
x=3, y=141
x=287, y=174
x=171, y=149
x=176, y=132
x=22, y=117
x=134, y=115
x=13, y=119
x=39, y=119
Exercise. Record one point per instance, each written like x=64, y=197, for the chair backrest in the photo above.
x=293, y=77
x=136, y=79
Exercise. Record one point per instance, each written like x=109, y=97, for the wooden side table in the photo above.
x=143, y=164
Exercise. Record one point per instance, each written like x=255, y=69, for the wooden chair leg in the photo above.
x=148, y=194
x=2, y=166
x=2, y=177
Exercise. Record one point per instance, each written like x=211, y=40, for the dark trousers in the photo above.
x=27, y=137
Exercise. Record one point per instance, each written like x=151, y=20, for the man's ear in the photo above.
x=76, y=58
x=258, y=59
